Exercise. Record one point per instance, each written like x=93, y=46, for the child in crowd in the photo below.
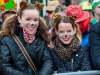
x=68, y=54
x=31, y=30
x=51, y=6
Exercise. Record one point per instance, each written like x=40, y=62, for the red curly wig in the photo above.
x=84, y=25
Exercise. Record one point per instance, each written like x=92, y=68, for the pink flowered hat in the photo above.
x=77, y=10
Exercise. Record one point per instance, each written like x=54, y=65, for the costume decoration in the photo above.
x=23, y=4
x=95, y=3
x=8, y=5
x=58, y=17
x=86, y=5
x=39, y=5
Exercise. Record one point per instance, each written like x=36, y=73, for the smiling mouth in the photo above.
x=31, y=28
x=66, y=39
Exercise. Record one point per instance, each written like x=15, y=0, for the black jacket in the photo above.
x=1, y=25
x=94, y=45
x=13, y=62
x=79, y=61
x=47, y=19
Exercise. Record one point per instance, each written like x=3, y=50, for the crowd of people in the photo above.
x=65, y=40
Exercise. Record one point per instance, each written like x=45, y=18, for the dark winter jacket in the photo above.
x=1, y=25
x=47, y=19
x=94, y=45
x=13, y=62
x=79, y=61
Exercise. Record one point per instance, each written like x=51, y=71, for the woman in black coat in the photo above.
x=32, y=33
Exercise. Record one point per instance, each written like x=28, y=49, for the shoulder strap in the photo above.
x=29, y=60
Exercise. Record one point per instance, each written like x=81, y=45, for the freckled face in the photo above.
x=65, y=32
x=29, y=20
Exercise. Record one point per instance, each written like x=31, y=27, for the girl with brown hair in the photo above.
x=67, y=52
x=31, y=30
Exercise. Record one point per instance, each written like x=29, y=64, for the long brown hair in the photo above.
x=10, y=26
x=66, y=20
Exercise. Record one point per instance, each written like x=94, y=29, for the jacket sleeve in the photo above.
x=94, y=46
x=47, y=67
x=6, y=67
x=86, y=64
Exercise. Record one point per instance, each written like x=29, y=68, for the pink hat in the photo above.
x=77, y=10
x=6, y=11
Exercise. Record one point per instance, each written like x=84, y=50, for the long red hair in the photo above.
x=84, y=25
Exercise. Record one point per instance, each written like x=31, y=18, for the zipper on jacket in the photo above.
x=72, y=64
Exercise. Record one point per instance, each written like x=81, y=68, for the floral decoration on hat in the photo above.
x=7, y=5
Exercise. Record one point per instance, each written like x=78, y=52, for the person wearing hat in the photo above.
x=5, y=14
x=94, y=46
x=49, y=9
x=94, y=37
x=86, y=6
x=96, y=9
x=83, y=20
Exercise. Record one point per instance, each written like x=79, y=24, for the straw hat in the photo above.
x=52, y=5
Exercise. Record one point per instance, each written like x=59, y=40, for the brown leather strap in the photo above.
x=25, y=54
